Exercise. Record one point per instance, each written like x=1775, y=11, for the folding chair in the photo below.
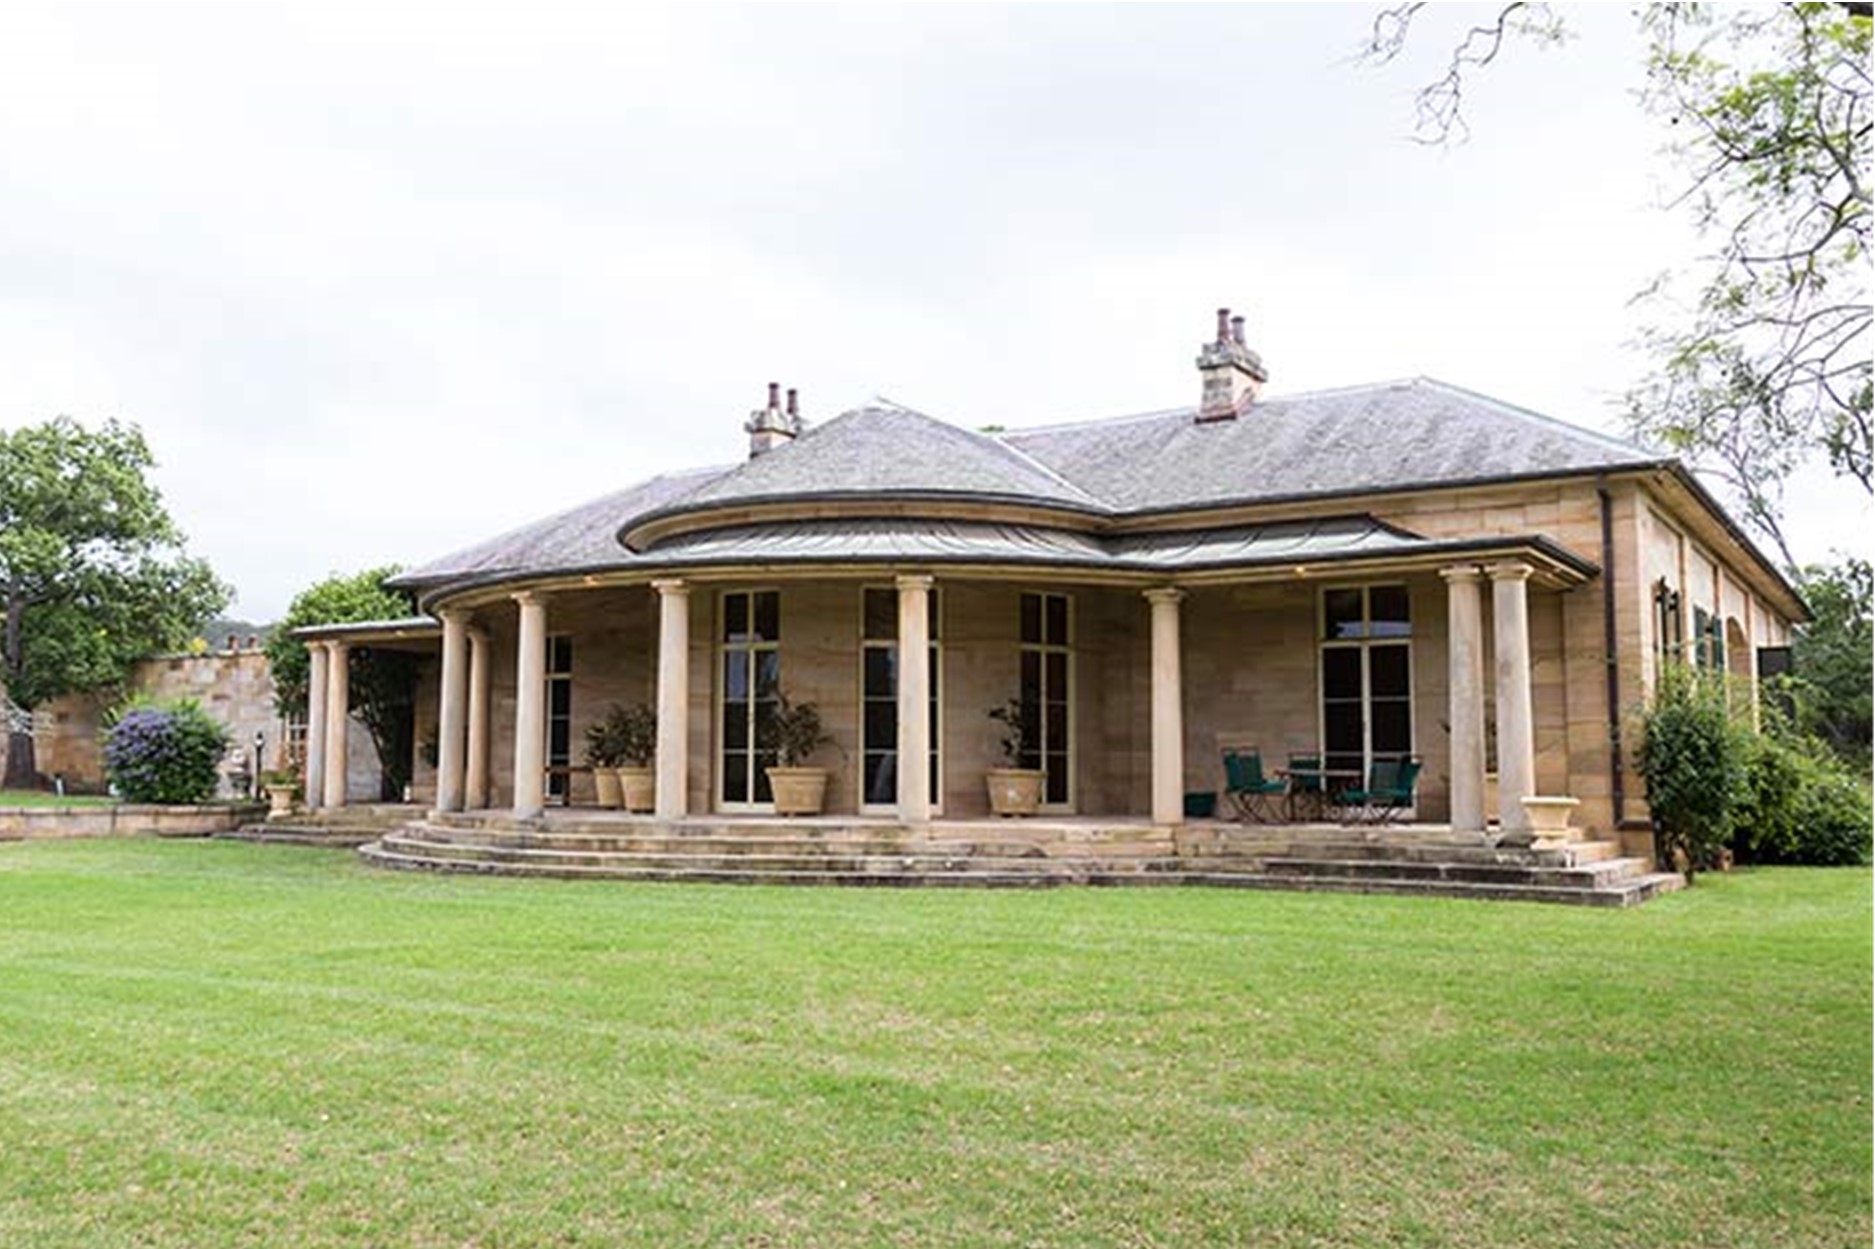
x=1390, y=785
x=1247, y=789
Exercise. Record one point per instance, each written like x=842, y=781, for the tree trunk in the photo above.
x=22, y=771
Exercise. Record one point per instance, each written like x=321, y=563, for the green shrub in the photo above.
x=164, y=752
x=1693, y=759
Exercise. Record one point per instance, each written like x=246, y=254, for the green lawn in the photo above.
x=220, y=1044
x=39, y=798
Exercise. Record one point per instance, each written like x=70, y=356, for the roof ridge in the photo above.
x=1190, y=409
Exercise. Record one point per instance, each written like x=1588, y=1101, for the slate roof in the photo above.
x=1360, y=439
x=1392, y=435
x=885, y=449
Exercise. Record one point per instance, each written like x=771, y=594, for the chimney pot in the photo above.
x=774, y=396
x=1236, y=330
x=1223, y=325
x=794, y=402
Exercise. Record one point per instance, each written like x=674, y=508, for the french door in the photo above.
x=750, y=667
x=1367, y=677
x=879, y=699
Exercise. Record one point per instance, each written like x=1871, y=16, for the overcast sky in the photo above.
x=381, y=281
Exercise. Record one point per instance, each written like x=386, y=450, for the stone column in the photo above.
x=1465, y=660
x=530, y=709
x=475, y=784
x=914, y=699
x=1516, y=733
x=673, y=763
x=316, y=678
x=1168, y=716
x=449, y=717
x=338, y=717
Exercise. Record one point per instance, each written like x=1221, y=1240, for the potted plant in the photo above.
x=1014, y=789
x=798, y=734
x=282, y=786
x=603, y=754
x=637, y=727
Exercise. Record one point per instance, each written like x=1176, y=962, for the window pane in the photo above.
x=1341, y=722
x=881, y=615
x=559, y=698
x=881, y=679
x=1389, y=614
x=1031, y=677
x=1056, y=789
x=1387, y=671
x=560, y=655
x=1057, y=667
x=735, y=617
x=881, y=726
x=934, y=617
x=1341, y=672
x=735, y=777
x=767, y=673
x=881, y=779
x=1055, y=725
x=1056, y=633
x=735, y=726
x=736, y=677
x=763, y=791
x=768, y=615
x=1392, y=726
x=1031, y=617
x=1341, y=614
x=1349, y=765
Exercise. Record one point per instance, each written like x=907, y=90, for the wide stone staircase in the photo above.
x=1019, y=854
x=345, y=827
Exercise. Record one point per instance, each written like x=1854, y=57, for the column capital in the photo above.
x=1462, y=574
x=1511, y=570
x=914, y=581
x=529, y=598
x=479, y=635
x=671, y=587
x=338, y=648
x=1163, y=594
x=453, y=615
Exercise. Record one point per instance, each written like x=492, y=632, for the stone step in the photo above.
x=1630, y=892
x=283, y=834
x=1576, y=854
x=705, y=858
x=976, y=875
x=653, y=837
x=1604, y=874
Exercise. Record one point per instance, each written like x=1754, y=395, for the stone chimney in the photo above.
x=773, y=425
x=1233, y=374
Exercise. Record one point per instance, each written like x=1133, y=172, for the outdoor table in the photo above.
x=1328, y=782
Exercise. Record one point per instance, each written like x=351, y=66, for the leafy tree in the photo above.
x=92, y=570
x=383, y=683
x=1832, y=658
x=1765, y=367
x=1770, y=367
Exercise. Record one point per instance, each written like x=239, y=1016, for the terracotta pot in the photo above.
x=606, y=787
x=1015, y=791
x=638, y=788
x=798, y=791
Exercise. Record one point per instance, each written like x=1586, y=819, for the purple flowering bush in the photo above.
x=165, y=752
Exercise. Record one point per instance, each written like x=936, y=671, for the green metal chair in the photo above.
x=1246, y=788
x=1389, y=791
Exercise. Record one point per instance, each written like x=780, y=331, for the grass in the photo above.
x=222, y=1044
x=40, y=798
